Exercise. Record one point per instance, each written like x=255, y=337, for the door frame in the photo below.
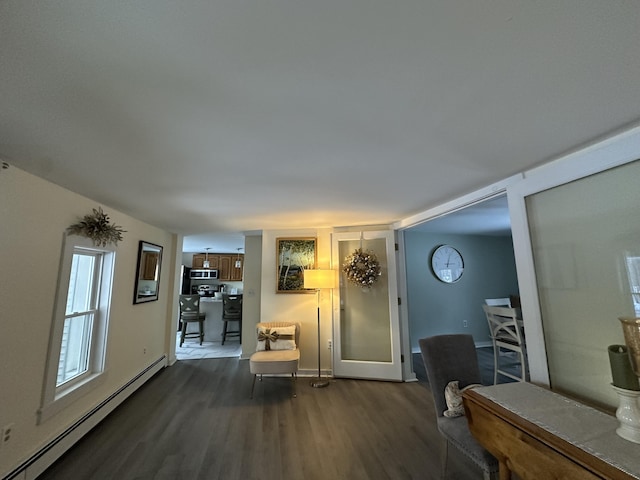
x=460, y=203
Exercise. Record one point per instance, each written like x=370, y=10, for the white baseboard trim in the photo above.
x=314, y=373
x=43, y=458
x=303, y=374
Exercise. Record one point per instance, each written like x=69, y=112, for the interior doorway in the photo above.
x=481, y=233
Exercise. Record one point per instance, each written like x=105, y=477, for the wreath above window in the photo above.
x=96, y=226
x=362, y=268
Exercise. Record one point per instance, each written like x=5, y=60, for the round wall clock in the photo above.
x=447, y=264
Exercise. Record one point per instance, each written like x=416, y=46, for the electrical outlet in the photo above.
x=144, y=351
x=465, y=323
x=7, y=431
x=329, y=344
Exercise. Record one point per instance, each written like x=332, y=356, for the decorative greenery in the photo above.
x=96, y=226
x=362, y=268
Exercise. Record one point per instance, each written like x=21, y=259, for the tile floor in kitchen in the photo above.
x=192, y=350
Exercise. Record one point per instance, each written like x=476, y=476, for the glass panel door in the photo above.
x=585, y=238
x=367, y=343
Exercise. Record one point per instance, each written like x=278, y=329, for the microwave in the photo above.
x=203, y=274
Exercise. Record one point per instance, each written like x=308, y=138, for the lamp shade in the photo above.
x=320, y=279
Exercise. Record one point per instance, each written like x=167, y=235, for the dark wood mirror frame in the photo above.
x=147, y=273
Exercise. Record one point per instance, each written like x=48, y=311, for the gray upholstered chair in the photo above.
x=190, y=312
x=272, y=361
x=448, y=358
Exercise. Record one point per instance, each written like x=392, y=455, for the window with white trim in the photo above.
x=77, y=345
x=80, y=316
x=633, y=272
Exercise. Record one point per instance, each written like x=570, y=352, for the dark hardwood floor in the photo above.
x=195, y=420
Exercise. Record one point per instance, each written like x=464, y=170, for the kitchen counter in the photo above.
x=211, y=299
x=212, y=308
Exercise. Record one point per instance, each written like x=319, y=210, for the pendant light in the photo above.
x=206, y=263
x=238, y=261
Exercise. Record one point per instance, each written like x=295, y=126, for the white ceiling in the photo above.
x=226, y=116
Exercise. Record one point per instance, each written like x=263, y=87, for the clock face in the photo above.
x=447, y=264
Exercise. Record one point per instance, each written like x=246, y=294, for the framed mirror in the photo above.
x=147, y=273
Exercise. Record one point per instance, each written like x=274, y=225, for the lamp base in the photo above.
x=319, y=383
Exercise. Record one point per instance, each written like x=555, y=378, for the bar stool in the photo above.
x=190, y=312
x=231, y=312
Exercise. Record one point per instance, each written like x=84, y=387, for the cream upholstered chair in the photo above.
x=507, y=335
x=277, y=352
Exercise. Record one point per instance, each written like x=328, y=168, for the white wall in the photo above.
x=298, y=307
x=33, y=217
x=252, y=280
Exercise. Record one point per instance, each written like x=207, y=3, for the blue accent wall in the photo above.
x=438, y=308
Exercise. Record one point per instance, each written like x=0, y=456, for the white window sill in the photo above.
x=65, y=398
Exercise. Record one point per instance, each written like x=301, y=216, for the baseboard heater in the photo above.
x=43, y=458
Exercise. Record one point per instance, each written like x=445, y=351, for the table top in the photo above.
x=584, y=427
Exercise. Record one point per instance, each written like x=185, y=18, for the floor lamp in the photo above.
x=319, y=279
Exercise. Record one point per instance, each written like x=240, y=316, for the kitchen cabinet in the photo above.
x=199, y=258
x=224, y=270
x=149, y=266
x=228, y=270
x=224, y=263
x=236, y=272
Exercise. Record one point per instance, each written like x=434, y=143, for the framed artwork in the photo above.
x=293, y=257
x=147, y=272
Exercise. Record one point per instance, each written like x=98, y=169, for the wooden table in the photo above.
x=538, y=434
